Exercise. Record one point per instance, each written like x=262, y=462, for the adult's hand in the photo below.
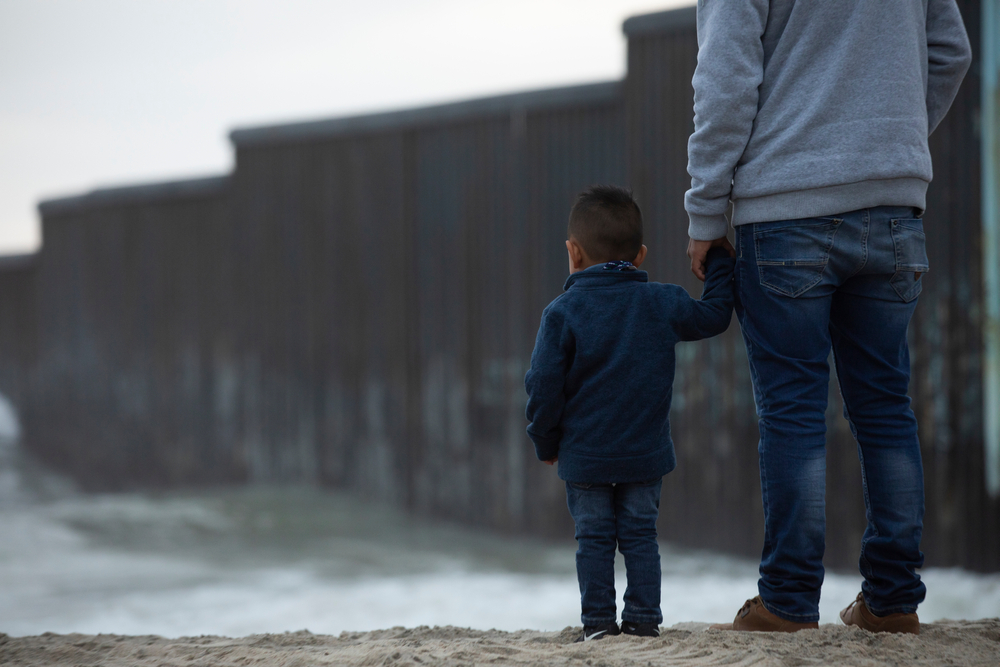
x=698, y=251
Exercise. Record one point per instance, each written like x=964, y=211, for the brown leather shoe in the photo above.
x=754, y=617
x=857, y=613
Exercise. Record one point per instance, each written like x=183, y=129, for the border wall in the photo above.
x=406, y=259
x=356, y=304
x=133, y=293
x=18, y=325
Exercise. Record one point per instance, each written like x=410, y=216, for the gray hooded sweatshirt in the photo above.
x=807, y=108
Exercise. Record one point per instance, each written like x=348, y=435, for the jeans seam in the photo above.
x=748, y=341
x=864, y=243
x=866, y=566
x=768, y=537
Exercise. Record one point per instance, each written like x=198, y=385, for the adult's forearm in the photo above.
x=949, y=56
x=729, y=72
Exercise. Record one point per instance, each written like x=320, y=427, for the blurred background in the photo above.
x=262, y=342
x=98, y=92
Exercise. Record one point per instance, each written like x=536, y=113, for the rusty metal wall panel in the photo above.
x=963, y=522
x=355, y=307
x=990, y=123
x=435, y=247
x=130, y=298
x=18, y=325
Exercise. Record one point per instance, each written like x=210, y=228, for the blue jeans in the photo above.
x=622, y=515
x=847, y=282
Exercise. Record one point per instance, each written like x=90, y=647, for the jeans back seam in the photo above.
x=755, y=381
x=865, y=564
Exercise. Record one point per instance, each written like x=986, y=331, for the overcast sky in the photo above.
x=112, y=92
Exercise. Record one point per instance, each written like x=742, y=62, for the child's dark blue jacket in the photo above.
x=602, y=371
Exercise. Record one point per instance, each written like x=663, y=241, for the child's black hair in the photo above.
x=607, y=223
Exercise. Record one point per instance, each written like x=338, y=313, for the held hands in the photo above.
x=698, y=251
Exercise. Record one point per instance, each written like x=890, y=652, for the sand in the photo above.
x=966, y=643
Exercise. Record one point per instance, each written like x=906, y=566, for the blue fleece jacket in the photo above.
x=602, y=371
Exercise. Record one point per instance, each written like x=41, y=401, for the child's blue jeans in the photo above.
x=623, y=516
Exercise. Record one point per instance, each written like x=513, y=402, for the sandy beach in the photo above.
x=967, y=643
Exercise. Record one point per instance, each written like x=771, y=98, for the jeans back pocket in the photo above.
x=910, y=246
x=791, y=257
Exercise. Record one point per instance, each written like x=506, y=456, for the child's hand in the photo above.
x=551, y=462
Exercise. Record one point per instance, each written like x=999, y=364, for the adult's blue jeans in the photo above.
x=623, y=516
x=848, y=282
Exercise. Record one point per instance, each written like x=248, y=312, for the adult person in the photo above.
x=811, y=123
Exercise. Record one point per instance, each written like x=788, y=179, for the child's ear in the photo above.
x=575, y=253
x=639, y=257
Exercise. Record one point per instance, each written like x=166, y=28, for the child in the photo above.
x=599, y=393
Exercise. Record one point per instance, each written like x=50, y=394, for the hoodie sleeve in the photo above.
x=710, y=315
x=949, y=56
x=545, y=382
x=726, y=80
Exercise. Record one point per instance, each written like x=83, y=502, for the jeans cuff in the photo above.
x=592, y=621
x=794, y=618
x=642, y=618
x=899, y=609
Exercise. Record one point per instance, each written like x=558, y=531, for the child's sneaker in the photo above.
x=591, y=632
x=641, y=629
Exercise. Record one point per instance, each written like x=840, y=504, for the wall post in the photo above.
x=990, y=64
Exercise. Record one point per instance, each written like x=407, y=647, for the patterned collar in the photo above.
x=620, y=265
